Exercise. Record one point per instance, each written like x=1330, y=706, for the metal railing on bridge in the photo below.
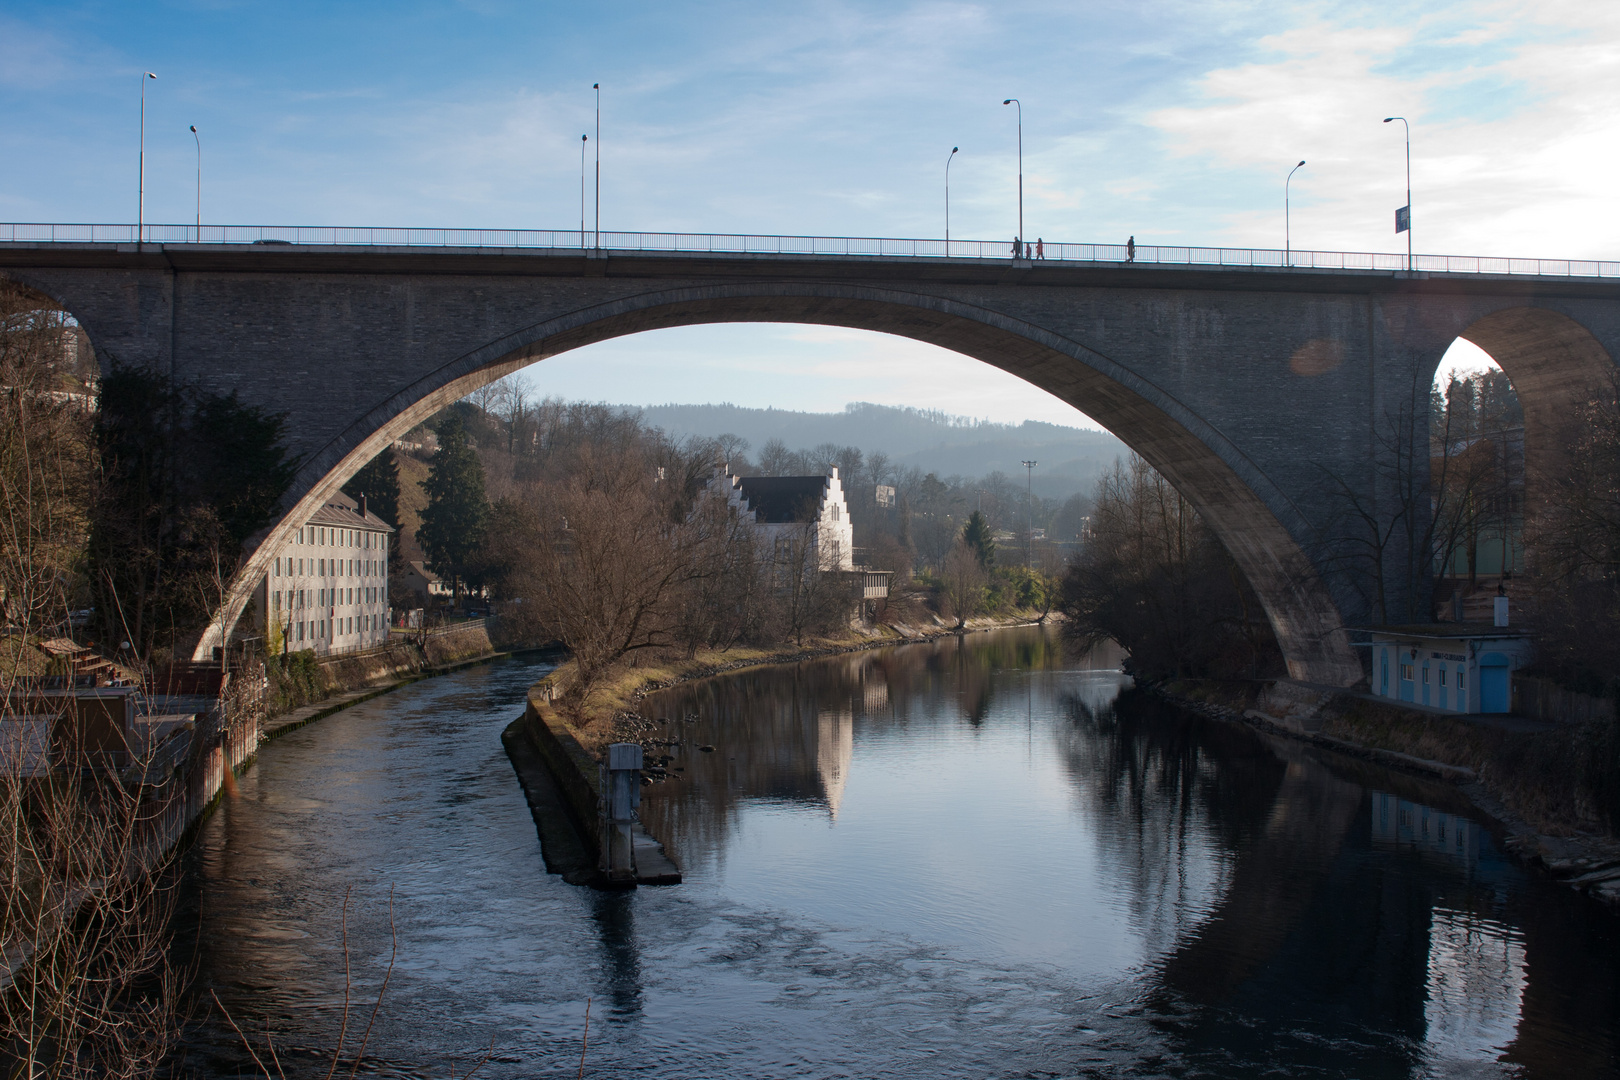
x=839, y=246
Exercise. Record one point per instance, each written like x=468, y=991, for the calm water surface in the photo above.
x=975, y=858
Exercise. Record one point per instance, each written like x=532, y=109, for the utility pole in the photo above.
x=1029, y=493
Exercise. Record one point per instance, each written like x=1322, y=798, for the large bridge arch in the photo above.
x=1255, y=519
x=1555, y=365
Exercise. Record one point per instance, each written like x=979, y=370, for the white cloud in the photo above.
x=1514, y=145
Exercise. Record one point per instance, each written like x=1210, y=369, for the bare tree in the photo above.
x=810, y=598
x=773, y=458
x=731, y=449
x=86, y=986
x=606, y=568
x=964, y=578
x=1153, y=577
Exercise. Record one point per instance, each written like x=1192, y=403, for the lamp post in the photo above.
x=1406, y=225
x=596, y=234
x=583, y=139
x=949, y=158
x=1020, y=104
x=1288, y=225
x=198, y=137
x=140, y=194
x=1029, y=495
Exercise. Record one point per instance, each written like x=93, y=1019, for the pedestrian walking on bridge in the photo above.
x=1130, y=250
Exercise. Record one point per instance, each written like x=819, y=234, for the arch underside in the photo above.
x=1555, y=365
x=1214, y=475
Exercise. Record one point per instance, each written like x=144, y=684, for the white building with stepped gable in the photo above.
x=789, y=509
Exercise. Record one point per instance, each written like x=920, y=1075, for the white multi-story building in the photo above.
x=328, y=589
x=786, y=510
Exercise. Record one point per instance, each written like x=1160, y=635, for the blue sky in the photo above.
x=1175, y=122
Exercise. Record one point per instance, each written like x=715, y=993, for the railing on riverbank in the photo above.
x=277, y=236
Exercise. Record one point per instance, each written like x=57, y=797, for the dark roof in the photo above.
x=782, y=499
x=344, y=512
x=1447, y=630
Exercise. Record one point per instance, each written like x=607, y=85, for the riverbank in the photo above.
x=1536, y=780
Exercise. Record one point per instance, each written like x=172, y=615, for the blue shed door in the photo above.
x=1383, y=682
x=1493, y=683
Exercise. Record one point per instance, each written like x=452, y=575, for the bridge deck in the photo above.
x=841, y=247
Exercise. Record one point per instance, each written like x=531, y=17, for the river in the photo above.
x=971, y=858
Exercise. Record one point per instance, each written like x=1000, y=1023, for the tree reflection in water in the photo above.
x=1280, y=920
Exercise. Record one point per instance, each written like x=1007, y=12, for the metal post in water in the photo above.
x=621, y=796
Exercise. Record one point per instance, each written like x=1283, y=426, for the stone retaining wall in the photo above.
x=575, y=771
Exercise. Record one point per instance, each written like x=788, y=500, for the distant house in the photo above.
x=787, y=510
x=423, y=582
x=328, y=588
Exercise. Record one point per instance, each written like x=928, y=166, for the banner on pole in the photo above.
x=1403, y=219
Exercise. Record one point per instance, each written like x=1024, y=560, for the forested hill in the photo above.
x=1070, y=458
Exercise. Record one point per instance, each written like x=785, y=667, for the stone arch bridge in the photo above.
x=1244, y=386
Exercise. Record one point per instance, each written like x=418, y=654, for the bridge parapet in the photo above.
x=610, y=243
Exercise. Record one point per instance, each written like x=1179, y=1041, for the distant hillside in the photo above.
x=1070, y=458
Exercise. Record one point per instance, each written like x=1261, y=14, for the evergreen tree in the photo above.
x=457, y=512
x=186, y=477
x=977, y=536
x=378, y=481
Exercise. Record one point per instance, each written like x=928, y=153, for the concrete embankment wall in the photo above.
x=572, y=769
x=402, y=657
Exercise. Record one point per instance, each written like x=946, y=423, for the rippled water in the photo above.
x=960, y=859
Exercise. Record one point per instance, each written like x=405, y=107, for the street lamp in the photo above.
x=596, y=235
x=198, y=137
x=140, y=195
x=1020, y=104
x=1288, y=225
x=948, y=160
x=583, y=139
x=1403, y=216
x=1029, y=494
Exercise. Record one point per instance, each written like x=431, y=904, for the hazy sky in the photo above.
x=1175, y=122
